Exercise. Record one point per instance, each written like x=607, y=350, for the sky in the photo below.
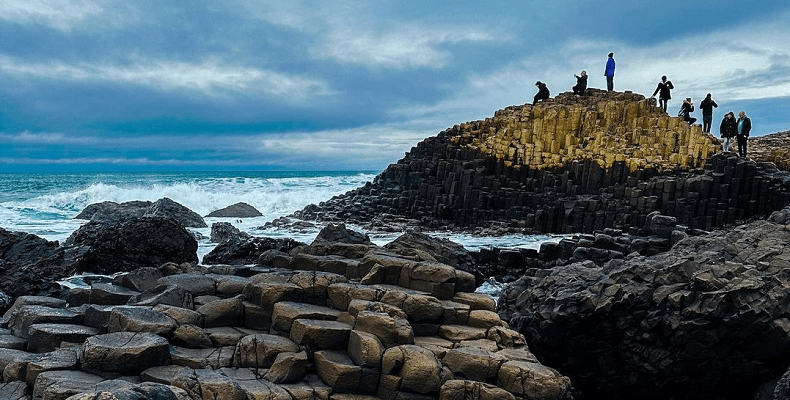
x=147, y=85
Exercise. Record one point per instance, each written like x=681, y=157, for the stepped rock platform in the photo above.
x=339, y=320
x=572, y=164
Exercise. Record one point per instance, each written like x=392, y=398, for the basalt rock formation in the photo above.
x=573, y=164
x=707, y=319
x=343, y=319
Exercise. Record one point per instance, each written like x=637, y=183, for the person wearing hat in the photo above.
x=609, y=73
x=543, y=92
x=581, y=83
x=663, y=87
x=707, y=105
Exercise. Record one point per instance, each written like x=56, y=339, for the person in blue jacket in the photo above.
x=609, y=73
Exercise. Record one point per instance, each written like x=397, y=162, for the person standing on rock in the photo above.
x=663, y=87
x=581, y=83
x=744, y=127
x=707, y=105
x=685, y=111
x=727, y=129
x=543, y=92
x=609, y=73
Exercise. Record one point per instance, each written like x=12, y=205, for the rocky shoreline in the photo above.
x=670, y=283
x=340, y=318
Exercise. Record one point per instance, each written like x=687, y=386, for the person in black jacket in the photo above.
x=581, y=83
x=685, y=111
x=664, y=87
x=728, y=129
x=744, y=127
x=707, y=105
x=543, y=92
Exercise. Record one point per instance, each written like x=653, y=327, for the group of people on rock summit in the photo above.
x=729, y=128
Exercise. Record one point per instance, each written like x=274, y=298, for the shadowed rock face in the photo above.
x=123, y=246
x=708, y=318
x=570, y=165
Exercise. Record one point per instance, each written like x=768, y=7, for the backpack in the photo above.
x=681, y=113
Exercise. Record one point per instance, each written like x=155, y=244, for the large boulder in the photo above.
x=166, y=208
x=422, y=247
x=222, y=231
x=29, y=265
x=707, y=319
x=109, y=211
x=109, y=247
x=238, y=210
x=112, y=211
x=244, y=249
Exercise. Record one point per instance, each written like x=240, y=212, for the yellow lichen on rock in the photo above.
x=606, y=127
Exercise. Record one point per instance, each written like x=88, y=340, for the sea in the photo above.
x=45, y=204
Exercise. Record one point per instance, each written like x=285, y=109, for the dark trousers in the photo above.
x=706, y=120
x=609, y=83
x=662, y=103
x=742, y=145
x=578, y=90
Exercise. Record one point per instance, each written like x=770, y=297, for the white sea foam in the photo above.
x=46, y=205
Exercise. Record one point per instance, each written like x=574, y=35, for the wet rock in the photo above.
x=224, y=231
x=130, y=244
x=112, y=211
x=246, y=250
x=238, y=210
x=28, y=265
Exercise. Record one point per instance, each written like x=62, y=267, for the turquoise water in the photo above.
x=45, y=204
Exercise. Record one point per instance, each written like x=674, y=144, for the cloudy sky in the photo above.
x=346, y=85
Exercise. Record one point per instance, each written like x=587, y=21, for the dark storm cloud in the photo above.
x=331, y=84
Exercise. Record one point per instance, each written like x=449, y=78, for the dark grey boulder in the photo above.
x=338, y=233
x=707, y=319
x=166, y=208
x=247, y=251
x=109, y=211
x=124, y=246
x=112, y=211
x=29, y=265
x=141, y=279
x=422, y=247
x=238, y=210
x=222, y=231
